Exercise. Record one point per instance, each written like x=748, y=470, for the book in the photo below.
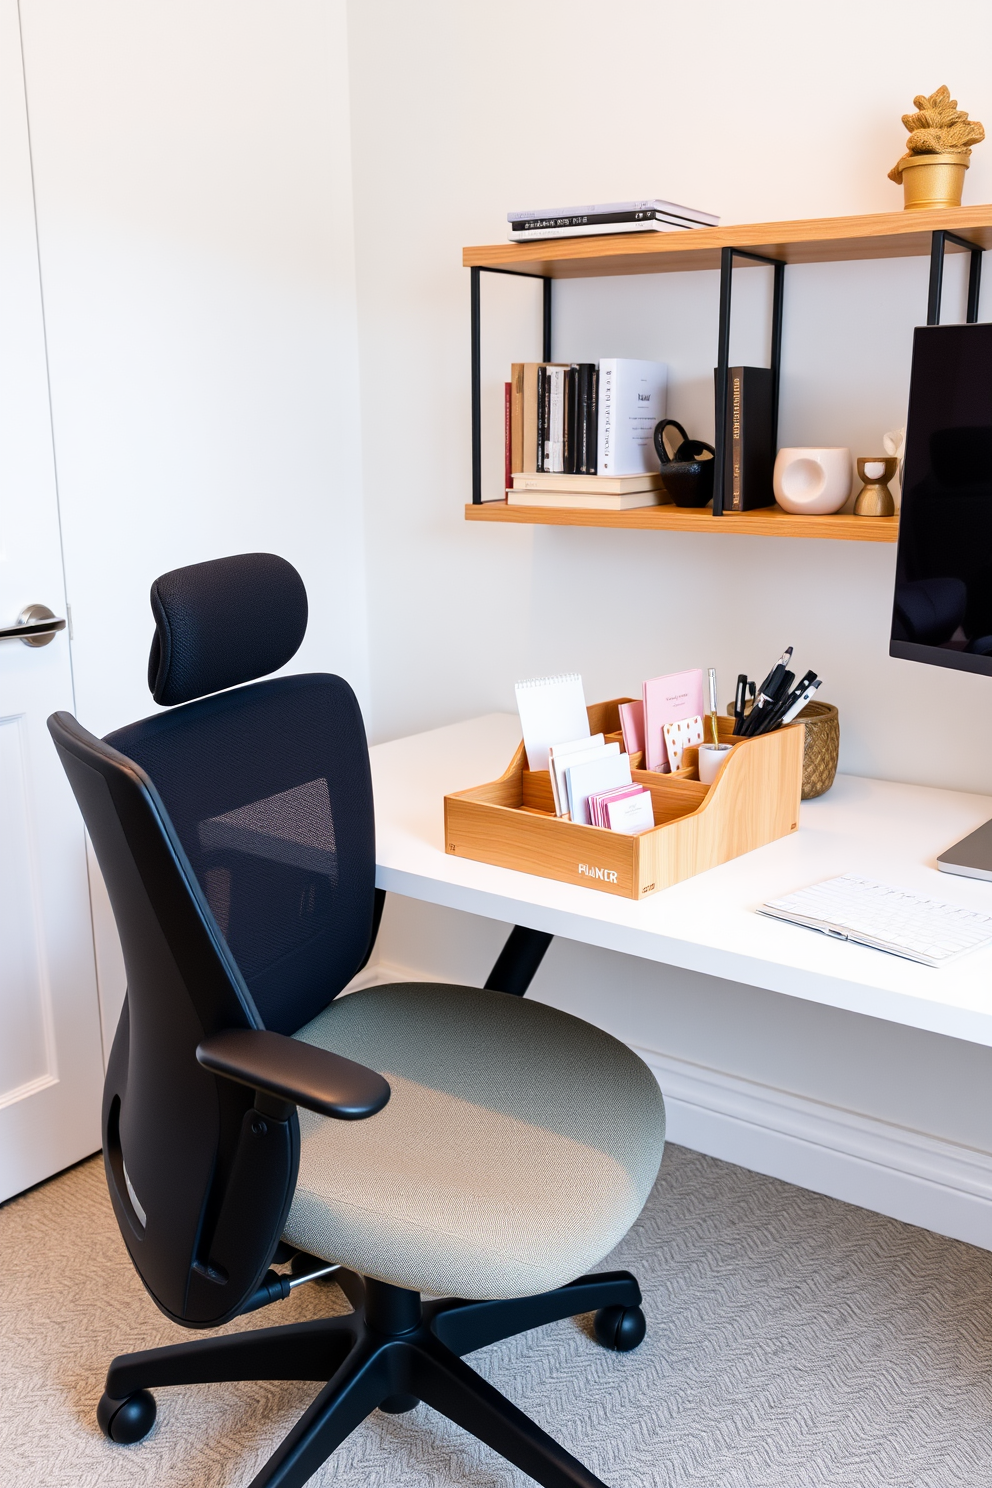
x=587, y=380
x=632, y=726
x=554, y=437
x=551, y=708
x=529, y=421
x=633, y=396
x=517, y=417
x=571, y=500
x=604, y=221
x=749, y=444
x=508, y=432
x=571, y=419
x=597, y=230
x=590, y=485
x=542, y=413
x=599, y=209
x=667, y=699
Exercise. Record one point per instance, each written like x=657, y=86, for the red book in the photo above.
x=508, y=436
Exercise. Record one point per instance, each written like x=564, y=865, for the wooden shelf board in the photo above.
x=816, y=240
x=768, y=521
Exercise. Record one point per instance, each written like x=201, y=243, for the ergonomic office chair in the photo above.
x=407, y=1138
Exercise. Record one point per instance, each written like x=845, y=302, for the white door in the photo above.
x=51, y=1061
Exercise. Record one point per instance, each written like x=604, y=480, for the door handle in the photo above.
x=36, y=626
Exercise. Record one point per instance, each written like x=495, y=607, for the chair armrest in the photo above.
x=293, y=1071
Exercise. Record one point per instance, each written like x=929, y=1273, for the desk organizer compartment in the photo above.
x=754, y=800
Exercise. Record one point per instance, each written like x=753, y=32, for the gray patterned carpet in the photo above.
x=793, y=1341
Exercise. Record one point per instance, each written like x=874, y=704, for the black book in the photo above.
x=571, y=433
x=749, y=444
x=587, y=415
x=542, y=413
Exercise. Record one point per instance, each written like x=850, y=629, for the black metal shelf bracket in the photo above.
x=727, y=256
x=937, y=242
x=476, y=320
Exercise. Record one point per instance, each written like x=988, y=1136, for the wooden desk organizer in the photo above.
x=754, y=800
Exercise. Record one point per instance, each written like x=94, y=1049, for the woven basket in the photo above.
x=822, y=746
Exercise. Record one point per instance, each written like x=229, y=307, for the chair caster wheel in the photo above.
x=126, y=1420
x=620, y=1328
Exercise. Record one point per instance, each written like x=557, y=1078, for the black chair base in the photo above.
x=391, y=1353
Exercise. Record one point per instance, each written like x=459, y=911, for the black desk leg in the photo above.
x=518, y=961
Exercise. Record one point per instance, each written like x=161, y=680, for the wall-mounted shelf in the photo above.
x=815, y=240
x=768, y=521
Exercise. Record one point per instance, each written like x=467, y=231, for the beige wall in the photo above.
x=755, y=111
x=251, y=218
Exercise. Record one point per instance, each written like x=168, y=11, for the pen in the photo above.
x=771, y=683
x=714, y=726
x=801, y=702
x=740, y=696
x=773, y=716
x=765, y=710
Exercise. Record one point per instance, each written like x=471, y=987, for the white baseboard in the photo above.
x=908, y=1175
x=905, y=1174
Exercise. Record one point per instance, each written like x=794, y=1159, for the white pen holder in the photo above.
x=711, y=758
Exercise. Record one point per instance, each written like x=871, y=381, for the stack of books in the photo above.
x=582, y=433
x=606, y=217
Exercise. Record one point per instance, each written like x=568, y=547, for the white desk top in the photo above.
x=883, y=830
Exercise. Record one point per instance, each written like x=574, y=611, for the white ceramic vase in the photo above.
x=812, y=482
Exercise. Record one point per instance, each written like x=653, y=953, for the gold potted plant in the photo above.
x=937, y=152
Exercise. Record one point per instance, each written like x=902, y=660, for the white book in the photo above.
x=633, y=396
x=571, y=500
x=599, y=229
x=599, y=209
x=588, y=778
x=554, y=444
x=587, y=485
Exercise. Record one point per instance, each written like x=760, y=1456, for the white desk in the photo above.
x=885, y=831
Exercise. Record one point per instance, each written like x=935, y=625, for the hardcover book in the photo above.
x=666, y=700
x=749, y=449
x=633, y=396
x=601, y=209
x=517, y=418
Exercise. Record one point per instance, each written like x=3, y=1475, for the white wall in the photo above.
x=216, y=184
x=193, y=179
x=759, y=112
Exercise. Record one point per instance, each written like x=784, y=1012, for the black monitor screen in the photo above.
x=943, y=600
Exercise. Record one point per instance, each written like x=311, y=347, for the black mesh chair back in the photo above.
x=235, y=835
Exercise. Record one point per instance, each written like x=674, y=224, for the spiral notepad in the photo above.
x=552, y=709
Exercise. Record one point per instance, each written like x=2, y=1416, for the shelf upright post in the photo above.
x=727, y=256
x=476, y=334
x=722, y=378
x=938, y=241
x=476, y=318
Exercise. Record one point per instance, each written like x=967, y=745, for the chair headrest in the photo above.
x=221, y=623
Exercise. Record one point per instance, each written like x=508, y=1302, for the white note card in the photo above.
x=551, y=709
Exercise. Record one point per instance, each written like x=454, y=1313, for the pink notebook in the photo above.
x=666, y=700
x=632, y=726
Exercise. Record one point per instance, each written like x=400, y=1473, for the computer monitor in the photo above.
x=942, y=609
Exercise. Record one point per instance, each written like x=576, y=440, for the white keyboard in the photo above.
x=894, y=920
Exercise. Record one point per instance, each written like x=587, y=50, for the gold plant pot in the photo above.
x=933, y=180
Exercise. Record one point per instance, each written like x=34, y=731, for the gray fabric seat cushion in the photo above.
x=518, y=1146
